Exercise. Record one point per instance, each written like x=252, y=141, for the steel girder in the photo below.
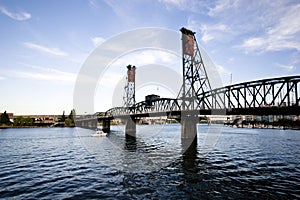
x=159, y=105
x=279, y=92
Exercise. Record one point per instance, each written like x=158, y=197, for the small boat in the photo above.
x=99, y=133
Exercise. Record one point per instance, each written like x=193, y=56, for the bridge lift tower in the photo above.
x=129, y=90
x=195, y=79
x=195, y=82
x=129, y=100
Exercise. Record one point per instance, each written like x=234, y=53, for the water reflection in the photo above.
x=189, y=154
x=130, y=143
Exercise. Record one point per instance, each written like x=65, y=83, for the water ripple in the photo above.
x=62, y=163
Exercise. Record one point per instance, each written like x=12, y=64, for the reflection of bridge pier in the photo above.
x=130, y=143
x=189, y=153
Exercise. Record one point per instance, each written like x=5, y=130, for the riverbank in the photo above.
x=8, y=127
x=264, y=126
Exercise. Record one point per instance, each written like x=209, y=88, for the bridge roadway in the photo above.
x=275, y=110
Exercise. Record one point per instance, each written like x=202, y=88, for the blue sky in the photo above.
x=45, y=43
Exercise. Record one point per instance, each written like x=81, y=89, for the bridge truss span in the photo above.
x=118, y=111
x=161, y=105
x=266, y=94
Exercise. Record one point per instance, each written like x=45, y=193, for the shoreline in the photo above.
x=234, y=126
x=7, y=127
x=261, y=127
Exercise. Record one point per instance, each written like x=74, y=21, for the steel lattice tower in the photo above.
x=195, y=79
x=129, y=94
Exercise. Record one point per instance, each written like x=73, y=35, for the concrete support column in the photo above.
x=130, y=127
x=106, y=125
x=189, y=122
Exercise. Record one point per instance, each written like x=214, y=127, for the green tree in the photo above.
x=68, y=122
x=28, y=121
x=72, y=115
x=63, y=117
x=4, y=118
x=23, y=121
x=18, y=121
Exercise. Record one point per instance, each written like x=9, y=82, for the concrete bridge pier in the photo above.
x=130, y=127
x=189, y=122
x=106, y=125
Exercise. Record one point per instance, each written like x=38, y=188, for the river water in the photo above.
x=224, y=163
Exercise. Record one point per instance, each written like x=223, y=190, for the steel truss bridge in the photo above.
x=276, y=96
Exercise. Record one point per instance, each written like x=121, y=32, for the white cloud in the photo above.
x=44, y=73
x=93, y=4
x=220, y=68
x=145, y=57
x=44, y=76
x=121, y=9
x=177, y=3
x=269, y=25
x=186, y=5
x=253, y=44
x=209, y=31
x=97, y=40
x=16, y=16
x=281, y=36
x=287, y=67
x=223, y=71
x=221, y=6
x=1, y=78
x=266, y=25
x=227, y=19
x=111, y=78
x=232, y=59
x=53, y=51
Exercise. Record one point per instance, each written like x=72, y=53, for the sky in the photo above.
x=44, y=45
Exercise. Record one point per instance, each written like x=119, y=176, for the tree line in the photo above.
x=68, y=121
x=27, y=121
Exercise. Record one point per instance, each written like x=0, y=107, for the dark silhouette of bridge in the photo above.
x=276, y=96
